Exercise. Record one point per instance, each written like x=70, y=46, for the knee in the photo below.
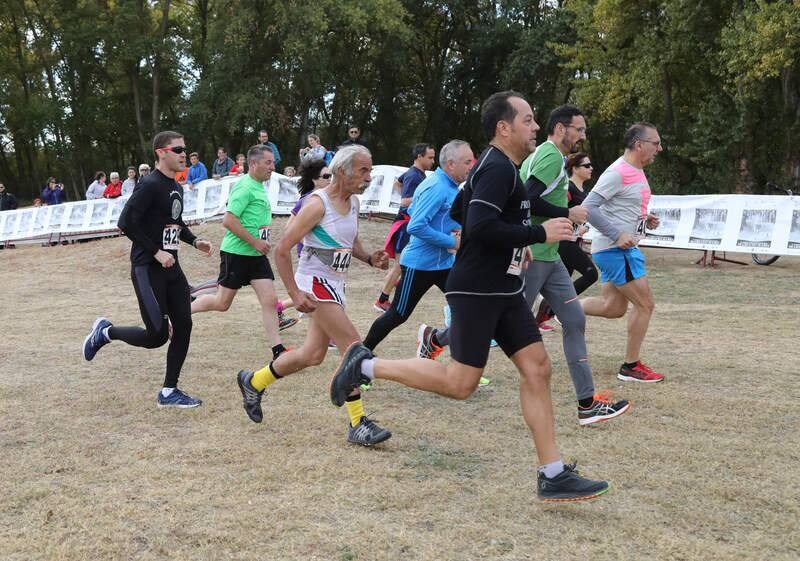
x=537, y=373
x=617, y=312
x=591, y=275
x=223, y=305
x=314, y=358
x=157, y=339
x=573, y=318
x=461, y=390
x=648, y=305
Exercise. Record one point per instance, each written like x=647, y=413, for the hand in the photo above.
x=215, y=176
x=190, y=186
x=526, y=260
x=205, y=246
x=583, y=230
x=380, y=259
x=625, y=241
x=457, y=235
x=578, y=214
x=262, y=246
x=304, y=302
x=166, y=259
x=652, y=221
x=558, y=229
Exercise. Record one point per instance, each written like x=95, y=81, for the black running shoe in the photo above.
x=569, y=486
x=251, y=396
x=367, y=433
x=348, y=376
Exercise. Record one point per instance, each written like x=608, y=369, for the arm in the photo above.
x=426, y=205
x=540, y=207
x=232, y=223
x=484, y=224
x=597, y=219
x=378, y=259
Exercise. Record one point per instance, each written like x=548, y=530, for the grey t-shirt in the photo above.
x=127, y=186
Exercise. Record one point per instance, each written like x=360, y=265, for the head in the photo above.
x=144, y=169
x=579, y=166
x=642, y=143
x=313, y=140
x=240, y=159
x=456, y=159
x=37, y=202
x=566, y=127
x=98, y=176
x=424, y=155
x=114, y=177
x=508, y=122
x=221, y=154
x=263, y=137
x=353, y=133
x=2, y=188
x=131, y=172
x=170, y=150
x=194, y=157
x=311, y=176
x=351, y=168
x=51, y=181
x=261, y=162
x=289, y=171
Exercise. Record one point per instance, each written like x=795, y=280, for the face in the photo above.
x=312, y=141
x=583, y=170
x=144, y=171
x=262, y=168
x=115, y=179
x=263, y=137
x=362, y=168
x=649, y=146
x=458, y=169
x=522, y=130
x=574, y=134
x=353, y=132
x=52, y=184
x=425, y=162
x=2, y=187
x=172, y=161
x=221, y=155
x=241, y=160
x=131, y=173
x=321, y=182
x=194, y=160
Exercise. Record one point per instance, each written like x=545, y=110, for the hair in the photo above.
x=573, y=160
x=114, y=173
x=448, y=151
x=264, y=131
x=144, y=166
x=51, y=180
x=163, y=138
x=497, y=108
x=343, y=159
x=308, y=172
x=131, y=168
x=635, y=132
x=257, y=152
x=194, y=155
x=562, y=114
x=351, y=127
x=314, y=136
x=97, y=175
x=421, y=149
x=242, y=155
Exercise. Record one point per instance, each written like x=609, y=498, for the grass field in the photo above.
x=704, y=466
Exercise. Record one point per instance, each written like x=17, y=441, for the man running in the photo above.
x=618, y=210
x=244, y=249
x=152, y=219
x=328, y=227
x=484, y=290
x=546, y=182
x=426, y=260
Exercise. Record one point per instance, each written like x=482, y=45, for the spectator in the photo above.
x=314, y=151
x=197, y=171
x=7, y=200
x=238, y=167
x=353, y=137
x=37, y=202
x=130, y=182
x=144, y=171
x=96, y=188
x=222, y=165
x=289, y=171
x=53, y=193
x=113, y=189
x=263, y=138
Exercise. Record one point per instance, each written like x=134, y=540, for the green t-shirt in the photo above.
x=547, y=165
x=249, y=203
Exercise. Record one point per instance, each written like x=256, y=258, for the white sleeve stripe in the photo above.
x=486, y=203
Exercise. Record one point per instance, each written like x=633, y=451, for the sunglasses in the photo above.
x=354, y=131
x=584, y=166
x=176, y=149
x=325, y=176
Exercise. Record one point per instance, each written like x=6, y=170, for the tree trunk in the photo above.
x=157, y=55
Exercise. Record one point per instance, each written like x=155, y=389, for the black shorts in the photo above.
x=476, y=320
x=236, y=271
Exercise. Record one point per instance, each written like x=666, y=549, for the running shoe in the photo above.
x=483, y=382
x=447, y=316
x=348, y=376
x=367, y=433
x=603, y=409
x=639, y=373
x=569, y=486
x=284, y=322
x=365, y=387
x=381, y=307
x=545, y=313
x=95, y=339
x=426, y=348
x=545, y=328
x=177, y=399
x=250, y=396
x=493, y=344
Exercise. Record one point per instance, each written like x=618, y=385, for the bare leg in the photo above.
x=220, y=301
x=639, y=294
x=612, y=303
x=454, y=379
x=265, y=291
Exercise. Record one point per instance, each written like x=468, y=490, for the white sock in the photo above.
x=368, y=368
x=105, y=333
x=552, y=469
x=166, y=392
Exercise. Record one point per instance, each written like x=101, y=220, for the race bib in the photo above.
x=576, y=231
x=170, y=237
x=341, y=260
x=641, y=227
x=515, y=267
x=263, y=233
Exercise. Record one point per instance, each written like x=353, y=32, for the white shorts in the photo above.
x=321, y=288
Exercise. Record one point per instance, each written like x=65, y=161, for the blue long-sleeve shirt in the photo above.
x=275, y=152
x=431, y=226
x=197, y=173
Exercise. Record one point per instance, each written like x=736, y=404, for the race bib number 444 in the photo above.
x=515, y=267
x=170, y=238
x=341, y=260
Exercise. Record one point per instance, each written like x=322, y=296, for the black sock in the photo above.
x=277, y=350
x=630, y=364
x=585, y=402
x=272, y=370
x=383, y=297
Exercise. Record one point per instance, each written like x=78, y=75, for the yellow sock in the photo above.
x=355, y=409
x=263, y=378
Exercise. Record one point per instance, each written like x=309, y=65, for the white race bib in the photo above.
x=341, y=260
x=641, y=227
x=515, y=267
x=263, y=233
x=170, y=237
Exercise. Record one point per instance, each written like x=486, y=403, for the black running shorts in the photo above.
x=236, y=271
x=476, y=320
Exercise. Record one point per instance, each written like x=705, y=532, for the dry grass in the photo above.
x=703, y=467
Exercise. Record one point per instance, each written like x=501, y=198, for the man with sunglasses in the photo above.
x=152, y=219
x=547, y=183
x=618, y=210
x=353, y=137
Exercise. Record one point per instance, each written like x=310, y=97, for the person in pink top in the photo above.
x=618, y=211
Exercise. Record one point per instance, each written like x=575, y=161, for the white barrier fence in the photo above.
x=735, y=223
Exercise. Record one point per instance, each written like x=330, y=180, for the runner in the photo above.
x=328, y=226
x=618, y=210
x=546, y=182
x=484, y=290
x=244, y=249
x=152, y=219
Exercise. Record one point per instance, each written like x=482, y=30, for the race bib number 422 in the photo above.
x=170, y=238
x=341, y=260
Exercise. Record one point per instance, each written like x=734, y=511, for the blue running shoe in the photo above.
x=95, y=339
x=177, y=399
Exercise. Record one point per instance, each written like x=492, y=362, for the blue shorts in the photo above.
x=620, y=266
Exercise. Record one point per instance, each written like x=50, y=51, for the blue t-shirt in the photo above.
x=411, y=180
